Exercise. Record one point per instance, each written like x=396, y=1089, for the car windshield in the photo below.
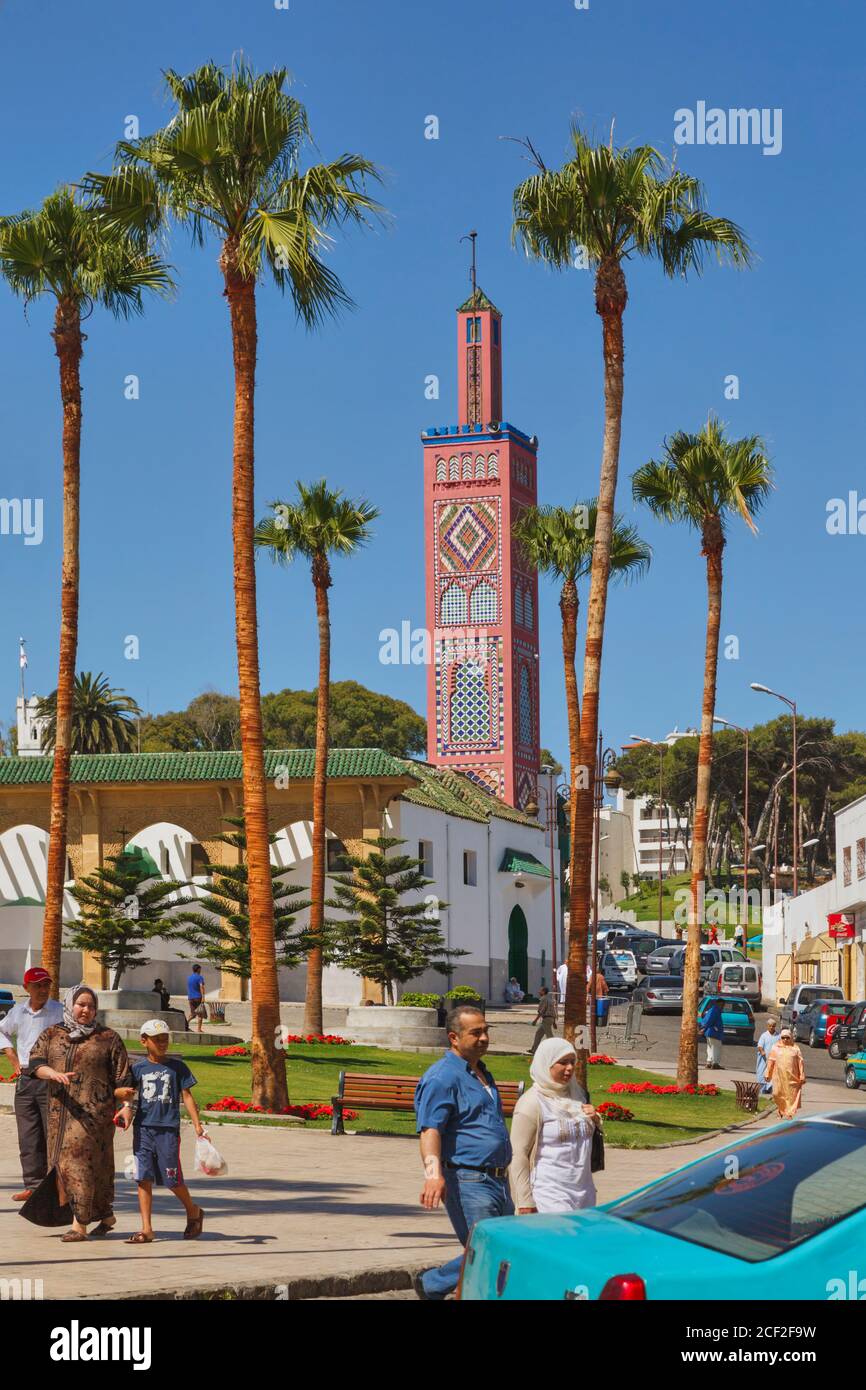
x=668, y=982
x=790, y=1186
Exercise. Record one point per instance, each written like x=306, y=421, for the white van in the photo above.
x=742, y=979
x=619, y=969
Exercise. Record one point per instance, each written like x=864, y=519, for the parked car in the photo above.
x=736, y=978
x=794, y=1209
x=641, y=947
x=710, y=956
x=619, y=969
x=660, y=994
x=849, y=1036
x=738, y=1020
x=659, y=963
x=811, y=1025
x=6, y=1002
x=802, y=996
x=855, y=1071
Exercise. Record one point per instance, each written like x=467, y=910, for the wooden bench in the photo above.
x=359, y=1091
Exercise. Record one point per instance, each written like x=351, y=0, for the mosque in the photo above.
x=476, y=812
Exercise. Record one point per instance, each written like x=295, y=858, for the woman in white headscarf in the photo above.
x=551, y=1136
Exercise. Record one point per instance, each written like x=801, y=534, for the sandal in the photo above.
x=103, y=1229
x=140, y=1238
x=73, y=1236
x=193, y=1228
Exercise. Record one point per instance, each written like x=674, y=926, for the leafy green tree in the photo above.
x=69, y=252
x=359, y=718
x=607, y=206
x=217, y=927
x=383, y=938
x=102, y=718
x=320, y=524
x=701, y=481
x=121, y=909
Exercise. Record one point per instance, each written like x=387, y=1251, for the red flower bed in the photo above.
x=611, y=1111
x=312, y=1110
x=648, y=1088
x=602, y=1059
x=240, y=1051
x=333, y=1039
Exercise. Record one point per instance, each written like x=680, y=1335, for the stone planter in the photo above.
x=394, y=1028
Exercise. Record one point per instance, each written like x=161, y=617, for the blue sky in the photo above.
x=349, y=401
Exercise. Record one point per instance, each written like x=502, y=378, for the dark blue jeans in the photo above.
x=470, y=1196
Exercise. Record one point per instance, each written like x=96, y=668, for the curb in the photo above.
x=381, y=1280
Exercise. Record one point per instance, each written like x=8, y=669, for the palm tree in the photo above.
x=606, y=205
x=68, y=250
x=101, y=717
x=320, y=524
x=701, y=480
x=228, y=164
x=559, y=542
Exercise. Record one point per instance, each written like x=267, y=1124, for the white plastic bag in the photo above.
x=208, y=1160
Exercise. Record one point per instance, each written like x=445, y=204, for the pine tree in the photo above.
x=119, y=915
x=382, y=938
x=218, y=926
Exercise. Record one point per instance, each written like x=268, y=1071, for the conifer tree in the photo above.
x=119, y=914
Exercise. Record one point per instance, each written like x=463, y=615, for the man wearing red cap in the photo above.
x=25, y=1021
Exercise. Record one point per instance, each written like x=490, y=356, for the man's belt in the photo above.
x=479, y=1168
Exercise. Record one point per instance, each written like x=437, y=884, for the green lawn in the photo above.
x=645, y=905
x=313, y=1073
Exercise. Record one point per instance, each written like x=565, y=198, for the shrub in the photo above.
x=602, y=1059
x=419, y=1001
x=611, y=1111
x=462, y=994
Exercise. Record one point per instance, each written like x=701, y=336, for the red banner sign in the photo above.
x=840, y=925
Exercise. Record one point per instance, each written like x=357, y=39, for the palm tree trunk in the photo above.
x=713, y=547
x=268, y=1064
x=313, y=1021
x=68, y=340
x=610, y=300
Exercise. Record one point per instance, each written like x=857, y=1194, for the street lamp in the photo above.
x=662, y=749
x=765, y=690
x=717, y=719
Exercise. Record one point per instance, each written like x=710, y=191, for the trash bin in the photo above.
x=602, y=1009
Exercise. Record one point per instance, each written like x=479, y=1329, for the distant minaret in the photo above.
x=30, y=725
x=482, y=601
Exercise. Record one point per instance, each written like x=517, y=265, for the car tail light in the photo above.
x=624, y=1286
x=650, y=994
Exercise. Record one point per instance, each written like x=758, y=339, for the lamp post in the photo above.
x=765, y=690
x=550, y=821
x=662, y=749
x=605, y=776
x=729, y=725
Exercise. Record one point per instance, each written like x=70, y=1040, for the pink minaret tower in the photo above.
x=482, y=601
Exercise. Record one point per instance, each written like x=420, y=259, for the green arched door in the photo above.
x=518, y=942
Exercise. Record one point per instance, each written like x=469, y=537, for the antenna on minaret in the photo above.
x=22, y=662
x=472, y=236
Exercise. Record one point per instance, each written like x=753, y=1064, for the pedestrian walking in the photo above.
x=24, y=1022
x=713, y=1030
x=160, y=1085
x=766, y=1042
x=551, y=1135
x=195, y=997
x=562, y=981
x=465, y=1146
x=740, y=937
x=86, y=1066
x=786, y=1072
x=545, y=1019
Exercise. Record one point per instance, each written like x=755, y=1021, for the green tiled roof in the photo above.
x=443, y=789
x=518, y=861
x=477, y=300
x=199, y=767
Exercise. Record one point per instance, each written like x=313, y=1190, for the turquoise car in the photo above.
x=778, y=1215
x=855, y=1070
x=738, y=1020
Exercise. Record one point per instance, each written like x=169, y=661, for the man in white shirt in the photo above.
x=25, y=1021
x=562, y=980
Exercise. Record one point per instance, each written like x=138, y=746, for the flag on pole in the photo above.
x=22, y=655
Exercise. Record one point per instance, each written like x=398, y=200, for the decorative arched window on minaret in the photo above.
x=482, y=699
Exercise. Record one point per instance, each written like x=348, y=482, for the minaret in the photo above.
x=482, y=601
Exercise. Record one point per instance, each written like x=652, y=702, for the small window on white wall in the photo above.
x=425, y=854
x=470, y=867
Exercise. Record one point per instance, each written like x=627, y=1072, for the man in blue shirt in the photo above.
x=465, y=1146
x=195, y=996
x=713, y=1029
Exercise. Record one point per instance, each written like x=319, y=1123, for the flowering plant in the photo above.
x=602, y=1059
x=241, y=1050
x=333, y=1039
x=312, y=1110
x=611, y=1111
x=644, y=1088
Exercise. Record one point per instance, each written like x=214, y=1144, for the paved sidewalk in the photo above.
x=294, y=1204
